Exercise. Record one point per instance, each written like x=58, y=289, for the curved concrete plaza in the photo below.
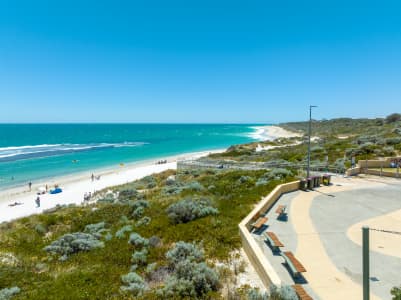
x=323, y=230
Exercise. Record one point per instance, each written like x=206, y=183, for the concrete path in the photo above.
x=326, y=280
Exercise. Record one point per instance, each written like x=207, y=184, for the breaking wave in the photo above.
x=37, y=151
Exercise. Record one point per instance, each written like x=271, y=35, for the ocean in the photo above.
x=33, y=152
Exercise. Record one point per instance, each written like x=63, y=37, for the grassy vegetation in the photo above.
x=338, y=140
x=96, y=274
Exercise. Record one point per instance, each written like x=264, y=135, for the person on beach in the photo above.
x=93, y=177
x=37, y=201
x=47, y=188
x=30, y=186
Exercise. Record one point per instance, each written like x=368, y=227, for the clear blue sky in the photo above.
x=198, y=61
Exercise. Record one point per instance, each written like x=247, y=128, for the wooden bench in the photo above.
x=301, y=293
x=273, y=241
x=293, y=264
x=259, y=223
x=281, y=211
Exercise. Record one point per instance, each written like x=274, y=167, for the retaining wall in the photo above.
x=259, y=261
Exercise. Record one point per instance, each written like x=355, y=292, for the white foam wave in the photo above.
x=27, y=151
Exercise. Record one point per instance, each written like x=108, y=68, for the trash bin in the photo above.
x=310, y=183
x=318, y=179
x=326, y=179
x=303, y=185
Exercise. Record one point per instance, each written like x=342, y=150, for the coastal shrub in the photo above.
x=128, y=193
x=121, y=232
x=397, y=130
x=138, y=208
x=244, y=179
x=108, y=236
x=393, y=141
x=189, y=209
x=261, y=181
x=190, y=279
x=133, y=283
x=143, y=221
x=108, y=198
x=255, y=294
x=72, y=243
x=123, y=220
x=138, y=212
x=139, y=258
x=96, y=229
x=8, y=293
x=396, y=293
x=184, y=251
x=173, y=189
x=40, y=228
x=194, y=186
x=393, y=118
x=285, y=292
x=154, y=241
x=279, y=173
x=137, y=240
x=150, y=268
x=150, y=182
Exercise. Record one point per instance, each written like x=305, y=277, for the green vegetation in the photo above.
x=338, y=140
x=396, y=293
x=107, y=254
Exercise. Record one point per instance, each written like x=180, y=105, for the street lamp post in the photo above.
x=309, y=137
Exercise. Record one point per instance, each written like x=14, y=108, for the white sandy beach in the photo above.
x=272, y=132
x=74, y=187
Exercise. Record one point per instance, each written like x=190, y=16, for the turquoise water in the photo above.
x=31, y=152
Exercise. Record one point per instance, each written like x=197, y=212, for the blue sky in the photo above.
x=198, y=61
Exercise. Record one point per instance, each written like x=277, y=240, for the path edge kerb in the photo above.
x=255, y=255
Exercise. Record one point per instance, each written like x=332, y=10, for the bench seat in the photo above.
x=259, y=222
x=294, y=265
x=301, y=293
x=273, y=241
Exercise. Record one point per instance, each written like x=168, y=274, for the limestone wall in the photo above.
x=259, y=261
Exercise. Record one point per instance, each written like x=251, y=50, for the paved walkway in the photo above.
x=323, y=276
x=378, y=207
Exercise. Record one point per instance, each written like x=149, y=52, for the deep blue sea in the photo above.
x=31, y=152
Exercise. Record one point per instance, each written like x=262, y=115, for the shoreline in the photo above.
x=75, y=186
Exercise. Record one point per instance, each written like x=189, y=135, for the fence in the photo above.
x=254, y=166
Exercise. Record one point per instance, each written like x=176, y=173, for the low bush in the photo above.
x=133, y=283
x=189, y=209
x=122, y=231
x=138, y=208
x=72, y=243
x=191, y=277
x=140, y=258
x=143, y=221
x=184, y=251
x=40, y=228
x=96, y=229
x=137, y=240
x=154, y=241
x=8, y=293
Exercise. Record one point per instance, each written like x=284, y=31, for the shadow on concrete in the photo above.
x=328, y=195
x=260, y=230
x=299, y=279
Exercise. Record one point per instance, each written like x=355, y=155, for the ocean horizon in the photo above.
x=36, y=152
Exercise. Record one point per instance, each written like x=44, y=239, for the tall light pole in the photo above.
x=365, y=263
x=309, y=136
